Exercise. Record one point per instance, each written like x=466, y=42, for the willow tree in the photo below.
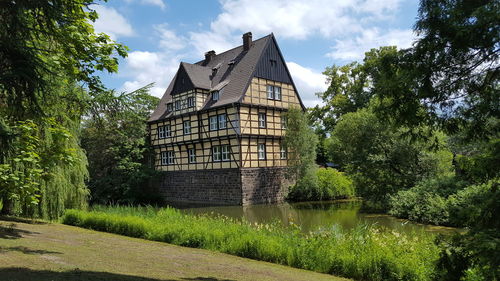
x=49, y=55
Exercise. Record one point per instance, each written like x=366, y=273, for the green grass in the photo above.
x=364, y=253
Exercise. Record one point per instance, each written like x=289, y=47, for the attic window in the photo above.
x=231, y=62
x=169, y=107
x=273, y=62
x=215, y=95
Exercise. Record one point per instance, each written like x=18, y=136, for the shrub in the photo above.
x=322, y=184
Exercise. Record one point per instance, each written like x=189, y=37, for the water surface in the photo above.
x=311, y=216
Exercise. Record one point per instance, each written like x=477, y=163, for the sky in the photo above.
x=312, y=34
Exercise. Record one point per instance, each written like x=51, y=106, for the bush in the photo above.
x=322, y=184
x=364, y=253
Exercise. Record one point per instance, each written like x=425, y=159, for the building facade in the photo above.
x=218, y=130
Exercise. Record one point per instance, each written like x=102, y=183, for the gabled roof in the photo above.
x=229, y=72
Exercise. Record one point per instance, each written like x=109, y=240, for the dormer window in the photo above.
x=215, y=95
x=169, y=107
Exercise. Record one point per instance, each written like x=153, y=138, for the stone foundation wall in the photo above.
x=244, y=186
x=218, y=186
x=263, y=185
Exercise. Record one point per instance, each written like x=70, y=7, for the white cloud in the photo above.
x=158, y=3
x=206, y=41
x=308, y=82
x=169, y=40
x=111, y=22
x=354, y=48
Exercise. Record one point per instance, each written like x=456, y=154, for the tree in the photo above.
x=114, y=138
x=450, y=78
x=380, y=158
x=301, y=143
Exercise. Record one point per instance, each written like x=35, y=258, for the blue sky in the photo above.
x=312, y=34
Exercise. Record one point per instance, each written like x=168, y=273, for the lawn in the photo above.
x=51, y=251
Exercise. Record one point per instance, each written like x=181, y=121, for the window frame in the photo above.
x=219, y=121
x=270, y=92
x=277, y=93
x=170, y=157
x=263, y=121
x=188, y=127
x=283, y=152
x=177, y=105
x=192, y=155
x=263, y=151
x=210, y=123
x=163, y=158
x=215, y=95
x=168, y=131
x=284, y=122
x=161, y=132
x=170, y=107
x=225, y=152
x=216, y=150
x=190, y=102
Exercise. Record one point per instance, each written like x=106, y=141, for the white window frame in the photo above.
x=192, y=155
x=225, y=153
x=270, y=92
x=177, y=105
x=190, y=101
x=186, y=127
x=284, y=122
x=261, y=151
x=168, y=131
x=215, y=95
x=262, y=120
x=216, y=153
x=283, y=152
x=163, y=158
x=222, y=121
x=170, y=107
x=212, y=120
x=170, y=157
x=277, y=93
x=161, y=132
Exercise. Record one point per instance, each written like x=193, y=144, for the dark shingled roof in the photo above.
x=233, y=71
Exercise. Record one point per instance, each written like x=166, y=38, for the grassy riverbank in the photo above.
x=362, y=253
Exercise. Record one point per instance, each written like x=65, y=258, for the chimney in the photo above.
x=247, y=41
x=208, y=56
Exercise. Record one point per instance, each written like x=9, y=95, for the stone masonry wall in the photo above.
x=236, y=186
x=263, y=185
x=218, y=186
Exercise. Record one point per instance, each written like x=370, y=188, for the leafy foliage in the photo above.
x=114, y=137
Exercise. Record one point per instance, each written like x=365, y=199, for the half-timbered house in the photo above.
x=217, y=132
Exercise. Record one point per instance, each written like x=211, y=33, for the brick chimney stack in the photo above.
x=247, y=41
x=208, y=56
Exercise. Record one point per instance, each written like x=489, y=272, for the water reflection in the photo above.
x=313, y=215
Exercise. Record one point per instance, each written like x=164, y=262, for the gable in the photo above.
x=271, y=65
x=182, y=82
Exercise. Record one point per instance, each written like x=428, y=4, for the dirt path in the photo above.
x=42, y=251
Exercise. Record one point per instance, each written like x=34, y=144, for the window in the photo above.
x=261, y=151
x=213, y=123
x=161, y=132
x=277, y=93
x=270, y=92
x=222, y=121
x=177, y=105
x=216, y=153
x=168, y=131
x=187, y=127
x=262, y=120
x=273, y=92
x=283, y=152
x=170, y=157
x=225, y=152
x=167, y=157
x=169, y=107
x=190, y=102
x=192, y=155
x=164, y=159
x=215, y=95
x=284, y=122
